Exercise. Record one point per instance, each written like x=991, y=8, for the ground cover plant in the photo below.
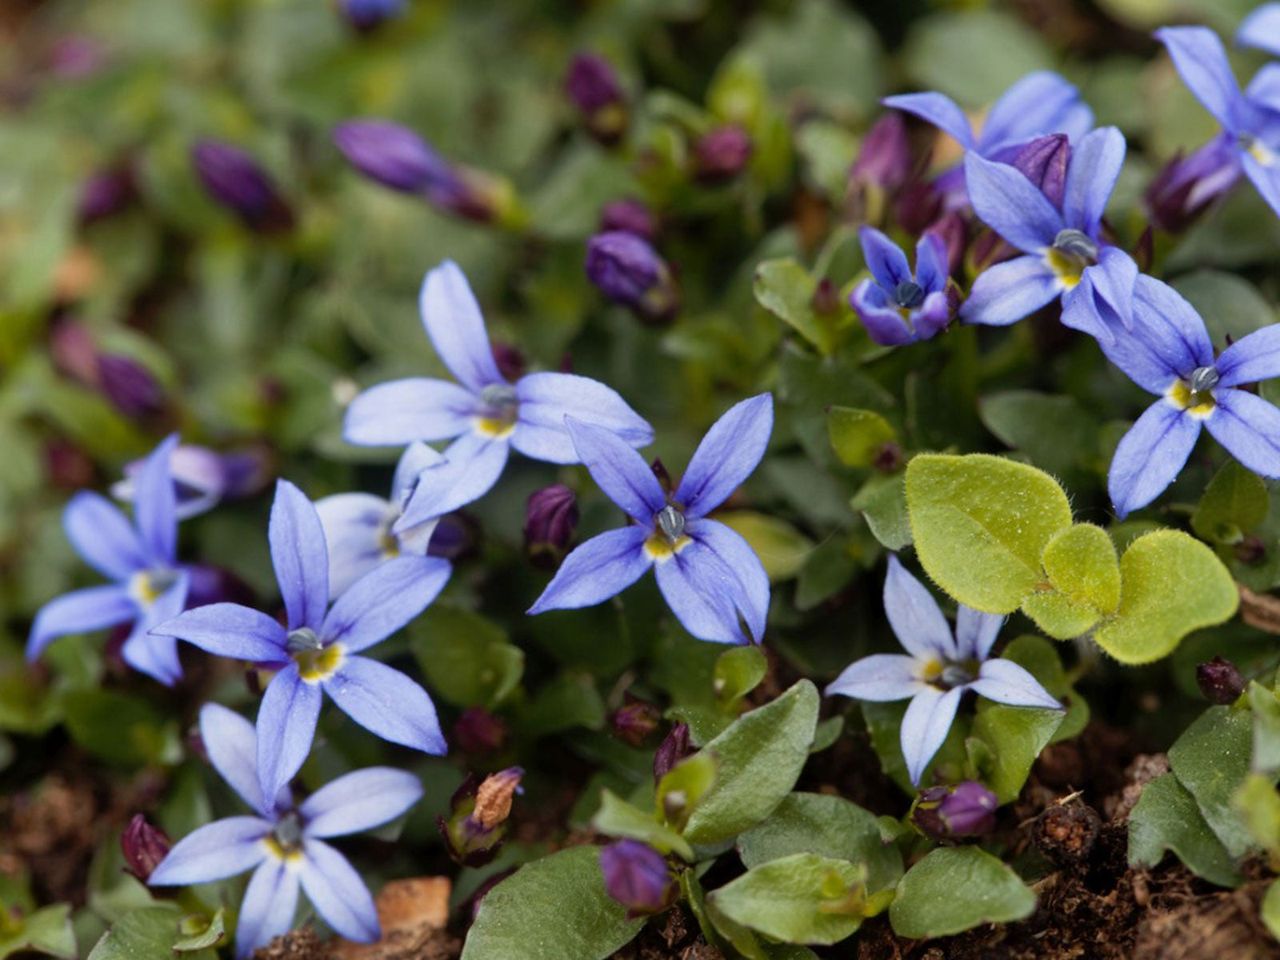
x=627, y=480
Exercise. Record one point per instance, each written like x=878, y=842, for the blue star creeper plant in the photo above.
x=149, y=586
x=1040, y=103
x=709, y=575
x=317, y=648
x=938, y=667
x=483, y=413
x=359, y=527
x=1250, y=120
x=895, y=305
x=283, y=844
x=1059, y=233
x=1168, y=353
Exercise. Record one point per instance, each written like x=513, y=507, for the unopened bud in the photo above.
x=391, y=155
x=884, y=159
x=144, y=846
x=367, y=15
x=235, y=179
x=1187, y=185
x=1220, y=681
x=511, y=362
x=674, y=748
x=637, y=876
x=550, y=521
x=592, y=86
x=477, y=731
x=627, y=270
x=1044, y=162
x=721, y=154
x=967, y=810
x=635, y=722
x=476, y=826
x=630, y=216
x=105, y=193
x=130, y=386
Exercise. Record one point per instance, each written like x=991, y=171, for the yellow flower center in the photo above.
x=1195, y=394
x=147, y=586
x=499, y=409
x=668, y=537
x=315, y=661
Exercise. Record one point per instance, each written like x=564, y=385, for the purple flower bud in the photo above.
x=637, y=876
x=476, y=826
x=630, y=216
x=1044, y=162
x=674, y=748
x=144, y=847
x=106, y=192
x=721, y=154
x=955, y=237
x=967, y=810
x=391, y=155
x=1220, y=681
x=74, y=352
x=367, y=15
x=592, y=86
x=884, y=159
x=627, y=270
x=130, y=386
x=918, y=205
x=67, y=466
x=76, y=56
x=550, y=520
x=472, y=195
x=511, y=362
x=235, y=180
x=635, y=721
x=455, y=537
x=1182, y=190
x=477, y=731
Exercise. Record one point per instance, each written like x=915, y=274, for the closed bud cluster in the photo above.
x=592, y=86
x=721, y=154
x=674, y=748
x=365, y=16
x=234, y=179
x=635, y=721
x=1220, y=681
x=144, y=846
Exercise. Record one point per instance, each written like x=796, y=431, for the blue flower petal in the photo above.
x=1249, y=427
x=1010, y=204
x=215, y=851
x=1264, y=89
x=229, y=630
x=1251, y=359
x=232, y=745
x=300, y=556
x=925, y=727
x=337, y=892
x=1091, y=176
x=156, y=655
x=417, y=457
x=1150, y=455
x=353, y=530
x=360, y=800
x=884, y=258
x=1040, y=103
x=699, y=590
x=1113, y=279
x=976, y=632
x=914, y=615
x=286, y=726
x=155, y=504
x=80, y=612
x=270, y=901
x=1201, y=61
x=880, y=678
x=1168, y=339
x=473, y=464
x=932, y=264
x=547, y=398
x=602, y=567
x=1006, y=682
x=387, y=703
x=1009, y=291
x=884, y=323
x=402, y=411
x=618, y=470
x=726, y=456
x=384, y=600
x=456, y=327
x=750, y=591
x=1261, y=29
x=937, y=109
x=1266, y=179
x=933, y=316
x=103, y=536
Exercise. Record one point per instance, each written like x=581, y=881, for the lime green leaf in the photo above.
x=883, y=502
x=956, y=889
x=145, y=933
x=1235, y=503
x=1166, y=818
x=465, y=656
x=1040, y=658
x=1211, y=759
x=1271, y=908
x=738, y=671
x=617, y=818
x=1058, y=615
x=1081, y=563
x=682, y=788
x=570, y=700
x=827, y=825
x=802, y=898
x=550, y=909
x=858, y=436
x=46, y=931
x=782, y=548
x=1259, y=804
x=201, y=932
x=785, y=289
x=1171, y=584
x=757, y=762
x=980, y=525
x=1015, y=736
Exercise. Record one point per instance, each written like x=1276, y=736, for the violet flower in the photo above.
x=317, y=648
x=283, y=844
x=707, y=572
x=1168, y=353
x=140, y=557
x=484, y=412
x=937, y=669
x=895, y=305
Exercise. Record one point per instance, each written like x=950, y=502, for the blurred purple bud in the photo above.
x=367, y=15
x=76, y=56
x=391, y=155
x=884, y=159
x=826, y=299
x=918, y=205
x=721, y=154
x=1220, y=681
x=592, y=86
x=235, y=179
x=1185, y=186
x=674, y=748
x=455, y=537
x=550, y=521
x=511, y=362
x=67, y=466
x=966, y=810
x=130, y=386
x=630, y=216
x=627, y=270
x=1044, y=162
x=144, y=846
x=637, y=876
x=955, y=237
x=74, y=352
x=106, y=192
x=635, y=721
x=477, y=731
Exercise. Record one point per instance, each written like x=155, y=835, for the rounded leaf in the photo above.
x=955, y=889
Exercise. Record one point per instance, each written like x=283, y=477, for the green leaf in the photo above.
x=1040, y=658
x=802, y=898
x=466, y=657
x=1015, y=736
x=1259, y=804
x=980, y=525
x=1231, y=305
x=883, y=503
x=738, y=671
x=570, y=700
x=831, y=826
x=682, y=788
x=858, y=436
x=973, y=55
x=1055, y=432
x=617, y=818
x=550, y=909
x=1265, y=705
x=46, y=931
x=1166, y=818
x=1058, y=615
x=1270, y=910
x=956, y=889
x=1211, y=759
x=120, y=729
x=1171, y=584
x=1081, y=563
x=144, y=934
x=782, y=548
x=201, y=932
x=758, y=760
x=785, y=288
x=1236, y=502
